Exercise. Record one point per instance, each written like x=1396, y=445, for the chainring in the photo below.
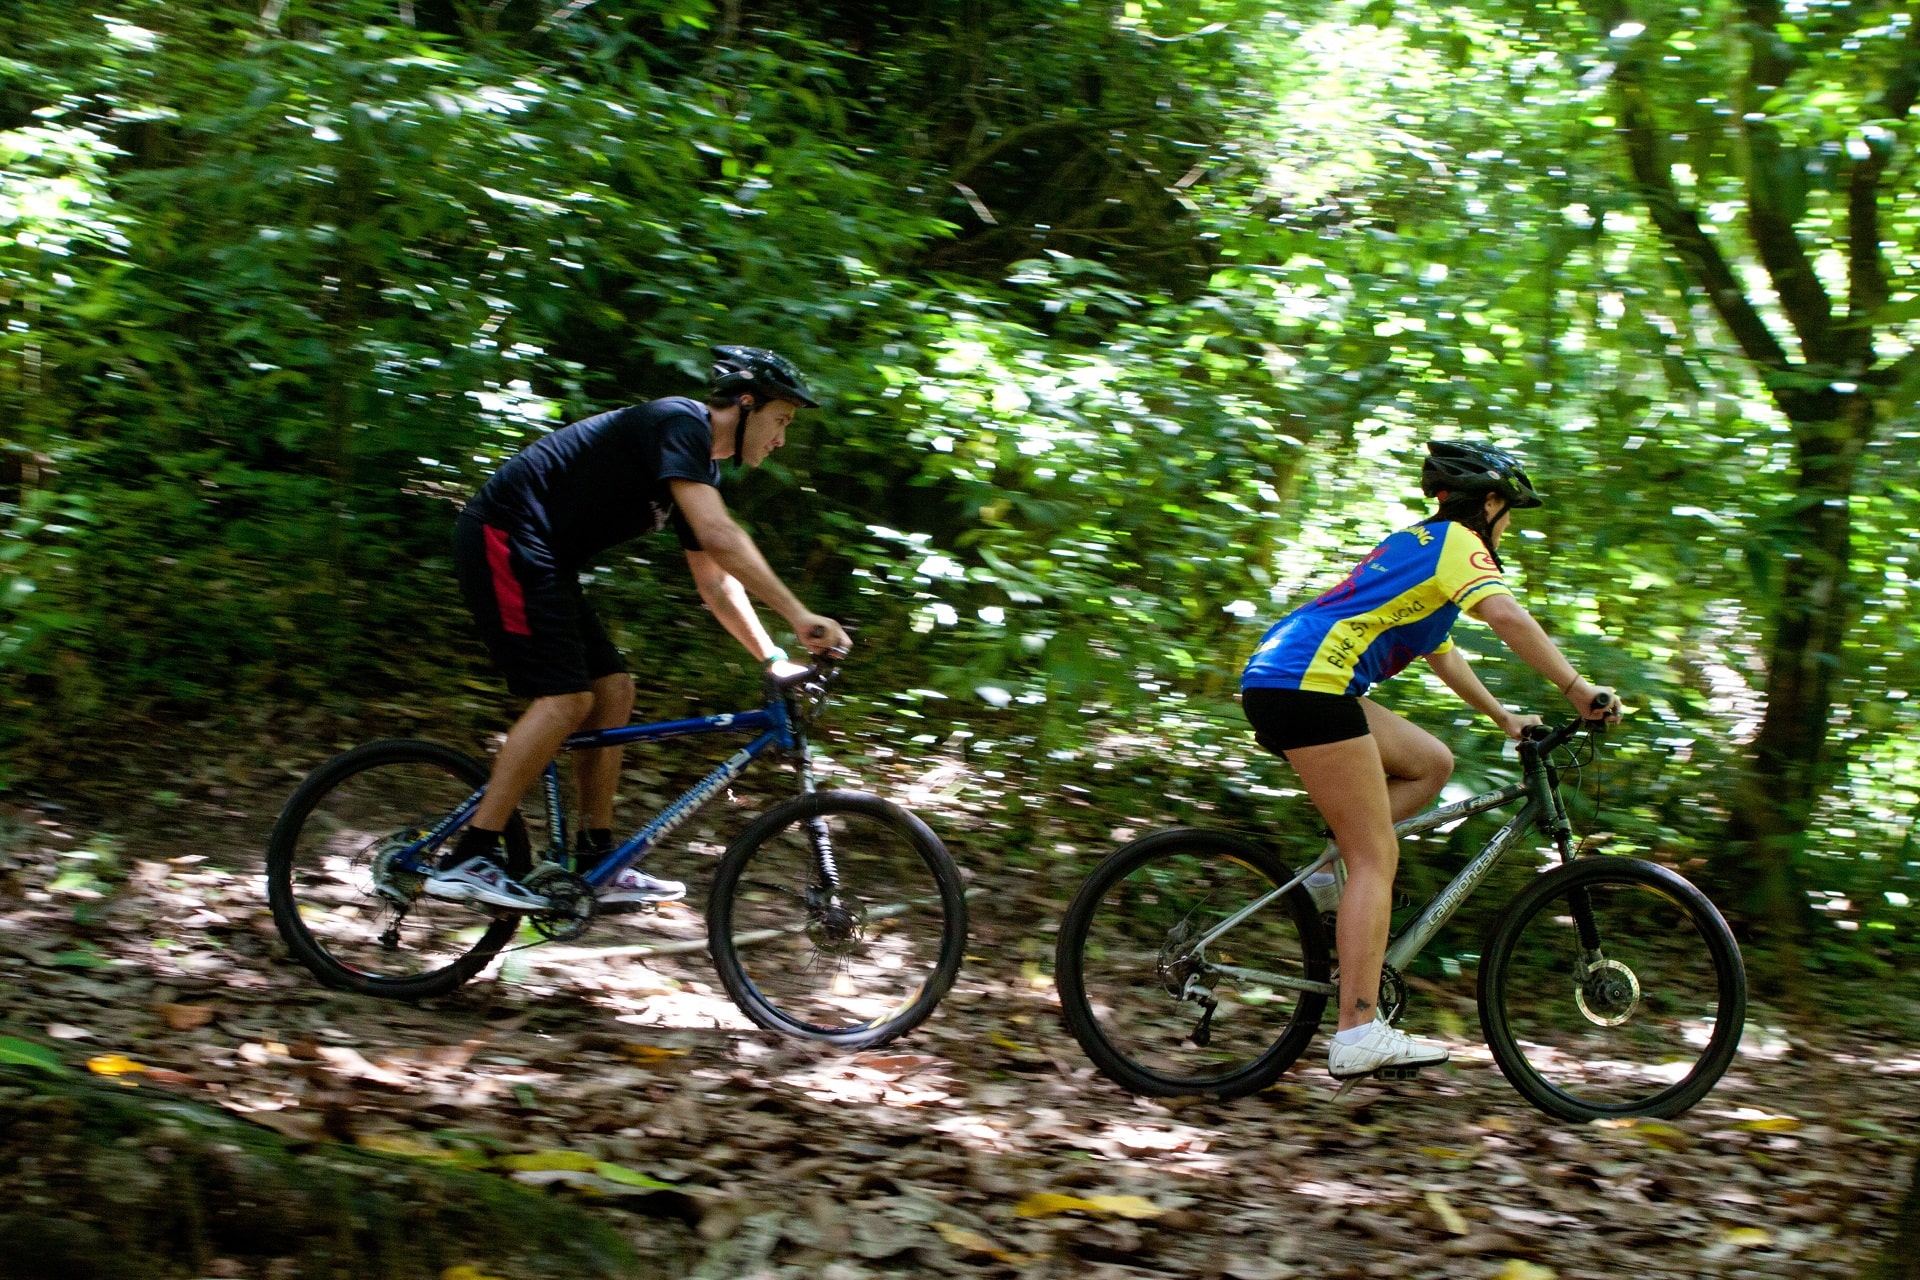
x=1393, y=995
x=571, y=905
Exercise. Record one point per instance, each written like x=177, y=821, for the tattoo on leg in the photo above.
x=1361, y=1005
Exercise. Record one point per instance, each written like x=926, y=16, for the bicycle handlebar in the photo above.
x=1549, y=739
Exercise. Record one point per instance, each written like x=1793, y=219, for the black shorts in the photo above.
x=532, y=615
x=1284, y=719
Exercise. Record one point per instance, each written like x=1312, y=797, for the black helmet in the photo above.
x=738, y=369
x=1457, y=467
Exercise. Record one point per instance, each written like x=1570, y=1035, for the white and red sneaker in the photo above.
x=485, y=882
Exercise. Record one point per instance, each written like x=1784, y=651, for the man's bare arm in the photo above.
x=729, y=547
x=728, y=601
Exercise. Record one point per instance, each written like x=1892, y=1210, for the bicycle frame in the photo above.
x=1540, y=788
x=775, y=730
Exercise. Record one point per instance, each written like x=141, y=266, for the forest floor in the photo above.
x=135, y=924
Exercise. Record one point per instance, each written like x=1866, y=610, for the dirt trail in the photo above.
x=925, y=1155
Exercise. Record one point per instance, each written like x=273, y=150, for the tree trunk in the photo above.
x=1791, y=764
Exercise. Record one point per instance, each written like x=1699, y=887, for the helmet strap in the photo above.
x=743, y=412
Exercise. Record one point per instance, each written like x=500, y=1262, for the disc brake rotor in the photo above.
x=1609, y=994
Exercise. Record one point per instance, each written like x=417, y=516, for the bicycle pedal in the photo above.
x=1397, y=1073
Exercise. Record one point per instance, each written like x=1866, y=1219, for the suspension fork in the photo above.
x=825, y=865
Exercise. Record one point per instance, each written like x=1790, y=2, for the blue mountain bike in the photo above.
x=835, y=916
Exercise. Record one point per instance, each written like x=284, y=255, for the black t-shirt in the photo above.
x=603, y=480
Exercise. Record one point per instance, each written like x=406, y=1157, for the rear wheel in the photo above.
x=1159, y=1015
x=853, y=966
x=343, y=905
x=1612, y=987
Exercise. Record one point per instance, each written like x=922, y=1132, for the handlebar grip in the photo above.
x=1602, y=699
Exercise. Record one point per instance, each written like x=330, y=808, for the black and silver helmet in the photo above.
x=1453, y=466
x=771, y=375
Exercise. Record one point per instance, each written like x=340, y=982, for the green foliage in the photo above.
x=1130, y=317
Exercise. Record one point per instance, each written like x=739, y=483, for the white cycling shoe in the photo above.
x=1382, y=1048
x=484, y=882
x=632, y=890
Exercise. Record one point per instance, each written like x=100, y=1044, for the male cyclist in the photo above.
x=519, y=548
x=1364, y=767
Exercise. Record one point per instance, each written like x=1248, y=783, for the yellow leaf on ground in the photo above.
x=651, y=1052
x=1047, y=1204
x=974, y=1242
x=1665, y=1136
x=1773, y=1124
x=1449, y=1216
x=466, y=1273
x=114, y=1064
x=399, y=1144
x=1012, y=1046
x=1519, y=1269
x=546, y=1161
x=630, y=1177
x=1748, y=1237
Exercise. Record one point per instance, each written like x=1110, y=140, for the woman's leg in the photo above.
x=1417, y=764
x=1347, y=782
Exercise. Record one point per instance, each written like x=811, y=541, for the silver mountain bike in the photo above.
x=1194, y=962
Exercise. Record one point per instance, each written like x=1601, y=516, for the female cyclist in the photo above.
x=1364, y=767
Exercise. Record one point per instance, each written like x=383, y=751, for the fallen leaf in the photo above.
x=1047, y=1204
x=547, y=1161
x=67, y=1031
x=651, y=1052
x=114, y=1064
x=1773, y=1124
x=974, y=1242
x=300, y=1126
x=1449, y=1216
x=26, y=1053
x=185, y=1017
x=1480, y=1242
x=1748, y=1237
x=350, y=1063
x=402, y=1144
x=630, y=1177
x=466, y=1273
x=1517, y=1269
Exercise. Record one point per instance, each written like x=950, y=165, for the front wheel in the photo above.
x=837, y=917
x=1612, y=987
x=1163, y=1011
x=343, y=900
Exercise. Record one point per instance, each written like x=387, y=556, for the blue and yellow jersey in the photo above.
x=1397, y=605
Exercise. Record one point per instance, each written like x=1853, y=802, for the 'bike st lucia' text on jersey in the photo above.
x=1397, y=605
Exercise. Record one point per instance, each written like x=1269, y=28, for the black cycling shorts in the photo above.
x=537, y=625
x=1284, y=719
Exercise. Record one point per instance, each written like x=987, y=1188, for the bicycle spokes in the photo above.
x=1164, y=1016
x=837, y=922
x=1612, y=988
